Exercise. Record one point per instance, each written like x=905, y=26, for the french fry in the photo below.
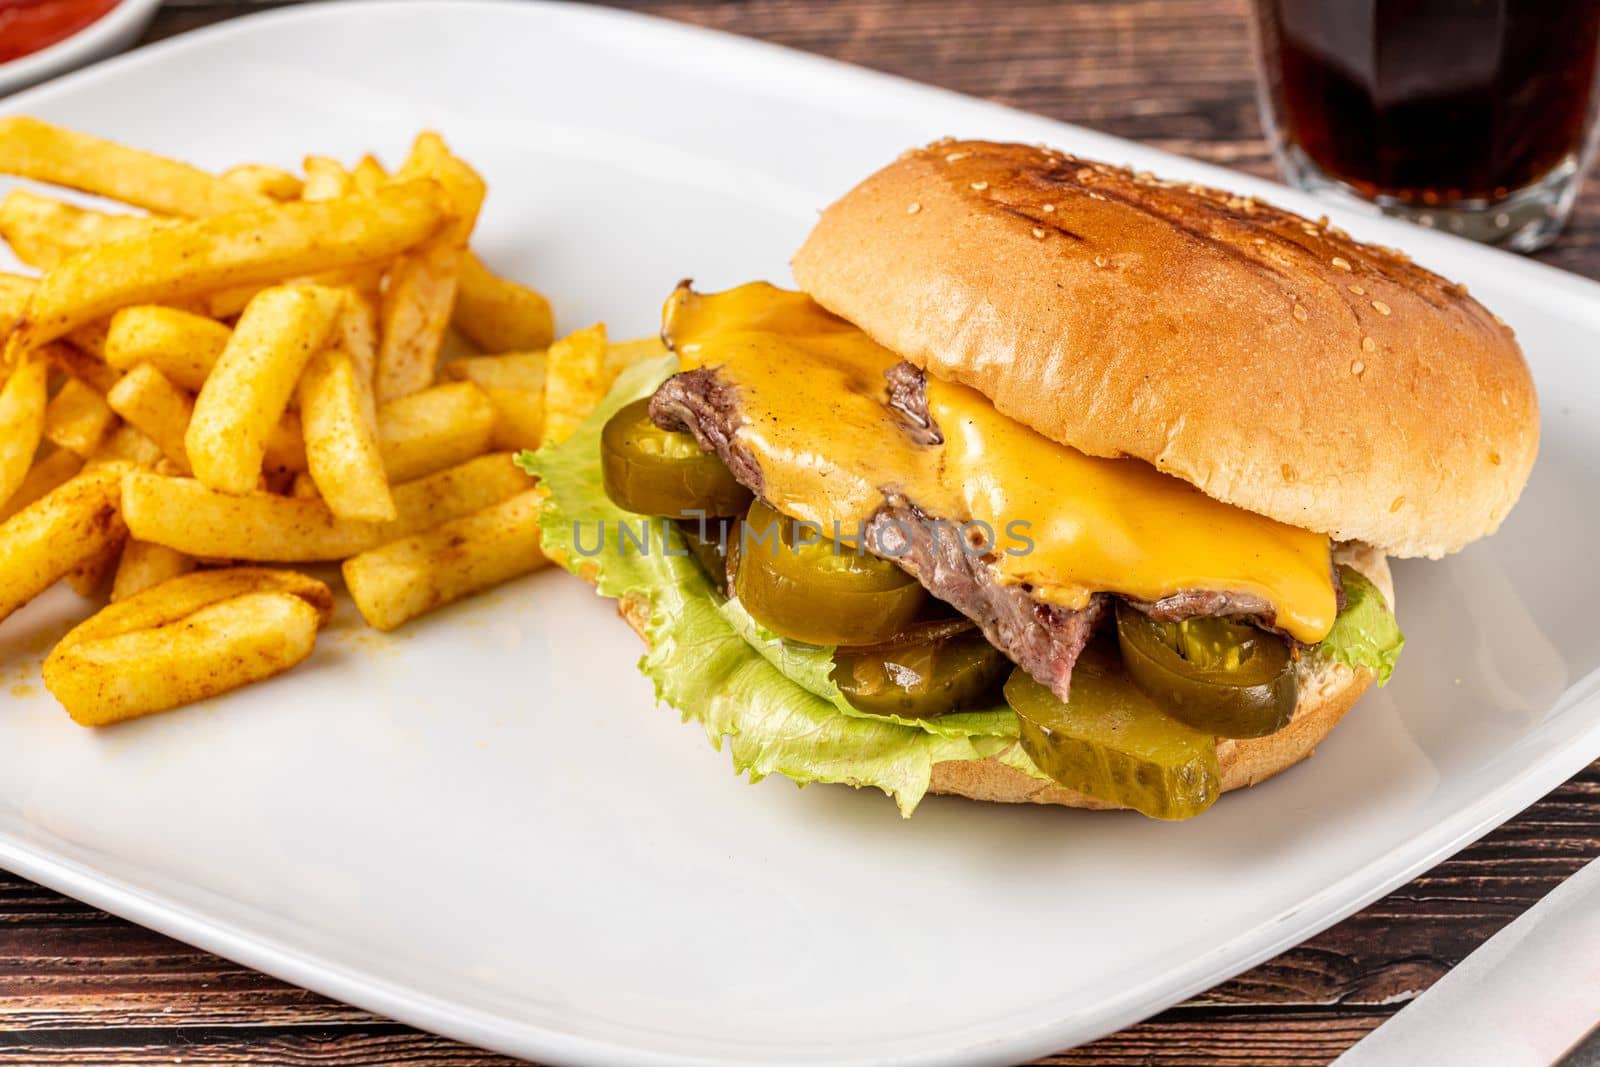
x=356, y=335
x=86, y=368
x=126, y=444
x=262, y=180
x=91, y=576
x=623, y=354
x=249, y=388
x=216, y=649
x=78, y=418
x=514, y=384
x=326, y=179
x=434, y=429
x=22, y=408
x=162, y=412
x=185, y=595
x=497, y=314
x=421, y=291
x=518, y=418
x=369, y=175
x=143, y=566
x=43, y=231
x=261, y=527
x=304, y=487
x=157, y=408
x=395, y=583
x=70, y=525
x=575, y=380
x=258, y=246
x=181, y=345
x=30, y=148
x=514, y=370
x=45, y=475
x=341, y=443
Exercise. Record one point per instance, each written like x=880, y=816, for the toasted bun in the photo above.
x=1327, y=691
x=1273, y=362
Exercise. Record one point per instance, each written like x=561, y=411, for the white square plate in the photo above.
x=482, y=826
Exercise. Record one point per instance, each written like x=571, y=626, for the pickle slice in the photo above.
x=651, y=471
x=1227, y=678
x=930, y=670
x=1113, y=743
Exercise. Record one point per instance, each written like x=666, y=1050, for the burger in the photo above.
x=1054, y=484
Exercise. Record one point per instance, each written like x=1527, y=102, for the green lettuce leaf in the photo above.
x=701, y=663
x=1365, y=634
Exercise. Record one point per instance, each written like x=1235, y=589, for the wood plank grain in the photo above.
x=80, y=987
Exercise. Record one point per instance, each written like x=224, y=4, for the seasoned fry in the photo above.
x=162, y=412
x=143, y=566
x=263, y=181
x=157, y=408
x=181, y=345
x=81, y=365
x=623, y=354
x=183, y=514
x=326, y=179
x=249, y=388
x=514, y=370
x=575, y=380
x=91, y=576
x=497, y=314
x=30, y=148
x=518, y=418
x=45, y=474
x=68, y=526
x=342, y=449
x=422, y=286
x=369, y=175
x=200, y=589
x=356, y=335
x=217, y=648
x=434, y=429
x=401, y=580
x=22, y=410
x=43, y=231
x=78, y=418
x=127, y=444
x=247, y=247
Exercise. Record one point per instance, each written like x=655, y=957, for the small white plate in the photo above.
x=112, y=32
x=482, y=826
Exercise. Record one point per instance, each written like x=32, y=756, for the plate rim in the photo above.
x=1051, y=1031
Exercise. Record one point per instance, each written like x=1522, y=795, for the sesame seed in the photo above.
x=913, y=207
x=1288, y=473
x=1084, y=174
x=1494, y=459
x=1300, y=313
x=1368, y=345
x=1099, y=261
x=1356, y=289
x=1340, y=263
x=1380, y=307
x=1038, y=232
x=1049, y=208
x=1357, y=368
x=979, y=186
x=955, y=157
x=1398, y=503
x=1097, y=196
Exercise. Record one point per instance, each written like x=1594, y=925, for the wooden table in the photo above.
x=80, y=987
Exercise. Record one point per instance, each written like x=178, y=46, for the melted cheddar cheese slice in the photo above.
x=813, y=403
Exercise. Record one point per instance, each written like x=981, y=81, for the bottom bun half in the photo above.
x=1327, y=691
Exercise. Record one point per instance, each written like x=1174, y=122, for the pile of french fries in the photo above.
x=256, y=369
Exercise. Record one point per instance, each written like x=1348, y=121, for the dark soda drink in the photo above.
x=1431, y=102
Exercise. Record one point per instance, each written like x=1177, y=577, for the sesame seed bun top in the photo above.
x=1271, y=361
